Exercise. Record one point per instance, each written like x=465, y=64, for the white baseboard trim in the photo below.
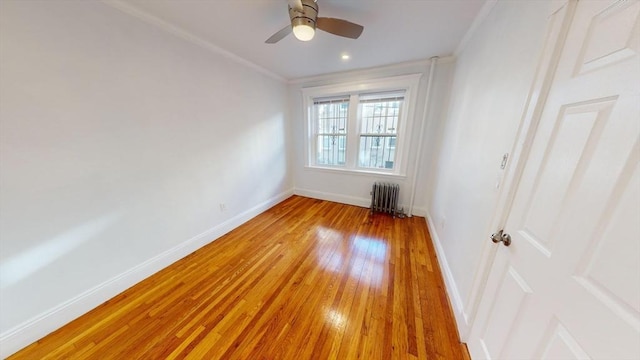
x=419, y=211
x=26, y=333
x=449, y=281
x=346, y=199
x=339, y=198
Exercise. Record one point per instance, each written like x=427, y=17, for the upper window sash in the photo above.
x=382, y=97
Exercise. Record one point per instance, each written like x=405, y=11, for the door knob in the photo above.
x=501, y=236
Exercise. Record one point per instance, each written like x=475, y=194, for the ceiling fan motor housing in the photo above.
x=308, y=15
x=304, y=21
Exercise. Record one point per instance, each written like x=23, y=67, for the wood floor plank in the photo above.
x=307, y=279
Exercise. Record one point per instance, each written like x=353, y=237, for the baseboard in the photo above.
x=339, y=198
x=449, y=282
x=51, y=320
x=419, y=211
x=346, y=199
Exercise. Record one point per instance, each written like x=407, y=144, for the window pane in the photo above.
x=331, y=149
x=332, y=117
x=378, y=131
x=377, y=151
x=331, y=130
x=380, y=117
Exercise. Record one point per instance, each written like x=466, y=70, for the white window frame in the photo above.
x=407, y=83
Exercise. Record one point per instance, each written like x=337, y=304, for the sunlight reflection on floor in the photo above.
x=367, y=254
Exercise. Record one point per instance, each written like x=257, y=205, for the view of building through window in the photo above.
x=378, y=116
x=362, y=126
x=378, y=131
x=331, y=132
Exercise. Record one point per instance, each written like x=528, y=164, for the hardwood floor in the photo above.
x=307, y=279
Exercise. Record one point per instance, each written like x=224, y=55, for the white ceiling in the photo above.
x=395, y=31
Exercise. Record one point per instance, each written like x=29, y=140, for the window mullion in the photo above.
x=353, y=125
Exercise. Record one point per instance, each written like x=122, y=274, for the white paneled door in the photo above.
x=568, y=286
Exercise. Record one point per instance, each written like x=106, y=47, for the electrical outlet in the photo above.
x=223, y=207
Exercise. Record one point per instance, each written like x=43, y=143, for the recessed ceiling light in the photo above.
x=345, y=56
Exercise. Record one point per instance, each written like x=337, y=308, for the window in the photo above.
x=361, y=127
x=331, y=130
x=378, y=115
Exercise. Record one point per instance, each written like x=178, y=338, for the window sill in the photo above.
x=353, y=172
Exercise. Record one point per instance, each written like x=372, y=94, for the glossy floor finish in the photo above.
x=307, y=279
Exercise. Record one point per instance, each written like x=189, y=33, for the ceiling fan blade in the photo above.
x=339, y=27
x=296, y=5
x=279, y=35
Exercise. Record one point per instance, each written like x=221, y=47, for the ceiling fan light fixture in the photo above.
x=304, y=21
x=303, y=32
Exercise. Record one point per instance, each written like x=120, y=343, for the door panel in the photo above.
x=569, y=284
x=576, y=127
x=612, y=36
x=504, y=312
x=604, y=258
x=561, y=345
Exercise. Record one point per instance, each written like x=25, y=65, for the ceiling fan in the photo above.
x=305, y=20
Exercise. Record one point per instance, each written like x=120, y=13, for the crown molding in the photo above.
x=479, y=19
x=188, y=36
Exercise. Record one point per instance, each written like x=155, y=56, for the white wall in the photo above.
x=354, y=188
x=493, y=75
x=118, y=142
